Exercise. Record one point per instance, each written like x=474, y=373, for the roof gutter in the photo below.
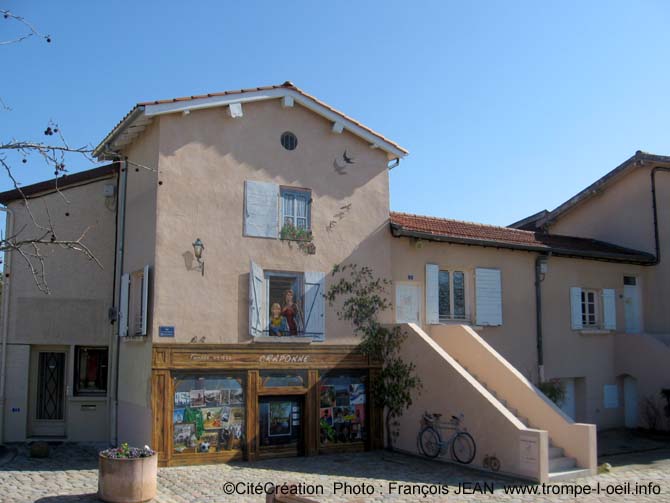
x=399, y=231
x=104, y=147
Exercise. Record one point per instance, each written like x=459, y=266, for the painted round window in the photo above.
x=289, y=141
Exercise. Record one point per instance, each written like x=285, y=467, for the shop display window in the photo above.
x=209, y=413
x=342, y=412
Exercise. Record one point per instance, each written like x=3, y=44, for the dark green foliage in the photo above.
x=361, y=298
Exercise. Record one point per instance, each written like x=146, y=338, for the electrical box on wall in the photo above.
x=108, y=190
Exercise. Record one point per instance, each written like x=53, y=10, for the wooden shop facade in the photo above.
x=218, y=403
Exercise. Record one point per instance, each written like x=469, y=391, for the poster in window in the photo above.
x=197, y=398
x=279, y=424
x=182, y=399
x=212, y=397
x=327, y=396
x=357, y=393
x=178, y=416
x=212, y=418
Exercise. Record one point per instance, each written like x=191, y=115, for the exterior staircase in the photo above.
x=561, y=467
x=508, y=417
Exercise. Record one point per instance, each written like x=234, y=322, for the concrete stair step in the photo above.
x=577, y=473
x=561, y=464
x=556, y=452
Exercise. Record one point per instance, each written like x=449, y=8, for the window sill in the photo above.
x=287, y=339
x=92, y=398
x=595, y=331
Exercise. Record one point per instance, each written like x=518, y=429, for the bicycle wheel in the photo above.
x=463, y=448
x=430, y=442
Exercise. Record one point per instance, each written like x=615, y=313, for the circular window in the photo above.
x=289, y=141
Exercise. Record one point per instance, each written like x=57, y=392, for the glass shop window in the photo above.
x=209, y=413
x=281, y=379
x=90, y=371
x=342, y=413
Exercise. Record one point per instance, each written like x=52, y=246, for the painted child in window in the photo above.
x=291, y=312
x=278, y=325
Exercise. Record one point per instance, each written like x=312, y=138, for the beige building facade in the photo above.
x=216, y=226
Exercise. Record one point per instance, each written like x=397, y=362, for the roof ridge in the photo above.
x=444, y=219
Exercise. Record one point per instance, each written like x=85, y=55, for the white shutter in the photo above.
x=261, y=214
x=257, y=313
x=488, y=293
x=315, y=316
x=145, y=300
x=407, y=300
x=432, y=294
x=609, y=309
x=576, y=308
x=123, y=305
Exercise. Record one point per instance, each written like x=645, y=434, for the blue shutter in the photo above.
x=261, y=218
x=315, y=316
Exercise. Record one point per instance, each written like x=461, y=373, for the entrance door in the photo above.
x=47, y=393
x=280, y=424
x=568, y=405
x=630, y=401
x=632, y=305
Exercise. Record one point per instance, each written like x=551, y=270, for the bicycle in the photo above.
x=431, y=444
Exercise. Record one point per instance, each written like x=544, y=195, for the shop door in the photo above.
x=280, y=424
x=47, y=393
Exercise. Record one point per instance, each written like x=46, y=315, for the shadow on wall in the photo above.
x=254, y=141
x=365, y=253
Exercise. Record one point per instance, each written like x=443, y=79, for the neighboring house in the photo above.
x=225, y=214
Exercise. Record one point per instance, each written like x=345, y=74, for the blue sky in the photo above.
x=506, y=107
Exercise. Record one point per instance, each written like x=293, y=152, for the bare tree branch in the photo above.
x=31, y=31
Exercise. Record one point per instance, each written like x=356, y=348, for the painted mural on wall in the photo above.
x=208, y=414
x=342, y=408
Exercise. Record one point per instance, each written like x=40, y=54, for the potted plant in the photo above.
x=127, y=474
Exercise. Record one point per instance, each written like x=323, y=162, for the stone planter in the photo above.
x=127, y=480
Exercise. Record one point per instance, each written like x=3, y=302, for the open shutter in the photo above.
x=488, y=293
x=576, y=308
x=315, y=313
x=123, y=305
x=145, y=300
x=261, y=214
x=432, y=294
x=609, y=309
x=256, y=300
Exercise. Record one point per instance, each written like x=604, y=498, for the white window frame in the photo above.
x=296, y=192
x=597, y=308
x=452, y=317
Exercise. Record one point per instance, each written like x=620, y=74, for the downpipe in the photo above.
x=9, y=229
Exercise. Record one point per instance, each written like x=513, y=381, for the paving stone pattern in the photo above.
x=70, y=474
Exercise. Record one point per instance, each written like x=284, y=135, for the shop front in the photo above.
x=219, y=403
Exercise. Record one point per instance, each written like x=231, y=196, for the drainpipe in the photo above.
x=9, y=230
x=540, y=270
x=122, y=184
x=657, y=244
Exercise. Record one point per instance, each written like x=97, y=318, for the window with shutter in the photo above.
x=296, y=207
x=256, y=300
x=433, y=294
x=138, y=302
x=315, y=316
x=123, y=305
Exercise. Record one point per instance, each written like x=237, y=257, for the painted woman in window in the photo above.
x=291, y=311
x=278, y=325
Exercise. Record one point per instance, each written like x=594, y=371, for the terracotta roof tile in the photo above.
x=456, y=231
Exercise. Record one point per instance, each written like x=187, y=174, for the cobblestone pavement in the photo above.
x=70, y=474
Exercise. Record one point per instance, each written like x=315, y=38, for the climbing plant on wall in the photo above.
x=360, y=297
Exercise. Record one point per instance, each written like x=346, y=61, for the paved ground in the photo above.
x=70, y=475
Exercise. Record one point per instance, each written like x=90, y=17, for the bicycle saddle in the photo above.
x=455, y=418
x=437, y=416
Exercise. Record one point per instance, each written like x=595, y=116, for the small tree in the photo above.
x=362, y=298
